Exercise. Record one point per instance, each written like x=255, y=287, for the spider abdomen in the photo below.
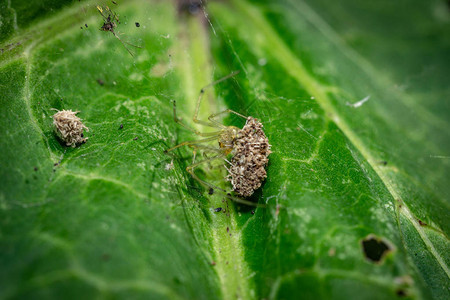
x=251, y=151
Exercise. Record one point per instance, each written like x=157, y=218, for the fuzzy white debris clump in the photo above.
x=251, y=151
x=69, y=127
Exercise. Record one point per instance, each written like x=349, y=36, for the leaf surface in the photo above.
x=351, y=98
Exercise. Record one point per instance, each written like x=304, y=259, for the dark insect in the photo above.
x=110, y=20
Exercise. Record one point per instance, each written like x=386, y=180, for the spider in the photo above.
x=248, y=147
x=109, y=23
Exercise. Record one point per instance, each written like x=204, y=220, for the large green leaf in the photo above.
x=112, y=218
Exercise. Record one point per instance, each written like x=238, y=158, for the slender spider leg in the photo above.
x=206, y=148
x=200, y=97
x=100, y=10
x=196, y=147
x=135, y=46
x=191, y=168
x=177, y=120
x=192, y=143
x=213, y=116
x=123, y=43
x=242, y=201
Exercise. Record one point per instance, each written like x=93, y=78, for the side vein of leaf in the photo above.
x=309, y=14
x=92, y=176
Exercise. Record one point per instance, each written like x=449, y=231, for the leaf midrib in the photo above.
x=194, y=54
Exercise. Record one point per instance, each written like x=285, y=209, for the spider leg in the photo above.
x=177, y=120
x=191, y=168
x=192, y=143
x=204, y=149
x=200, y=97
x=129, y=51
x=213, y=116
x=243, y=201
x=100, y=10
x=133, y=45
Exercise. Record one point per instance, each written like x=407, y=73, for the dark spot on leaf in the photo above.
x=218, y=209
x=401, y=293
x=36, y=168
x=81, y=27
x=421, y=223
x=106, y=257
x=211, y=191
x=137, y=24
x=375, y=249
x=384, y=163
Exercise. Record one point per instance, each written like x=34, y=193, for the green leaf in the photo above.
x=352, y=98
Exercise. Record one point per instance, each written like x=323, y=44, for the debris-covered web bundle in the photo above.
x=252, y=148
x=69, y=127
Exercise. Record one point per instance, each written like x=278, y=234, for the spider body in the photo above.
x=248, y=147
x=227, y=139
x=109, y=24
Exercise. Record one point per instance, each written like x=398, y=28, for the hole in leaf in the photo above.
x=375, y=249
x=401, y=293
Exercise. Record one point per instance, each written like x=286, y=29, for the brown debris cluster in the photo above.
x=252, y=148
x=69, y=127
